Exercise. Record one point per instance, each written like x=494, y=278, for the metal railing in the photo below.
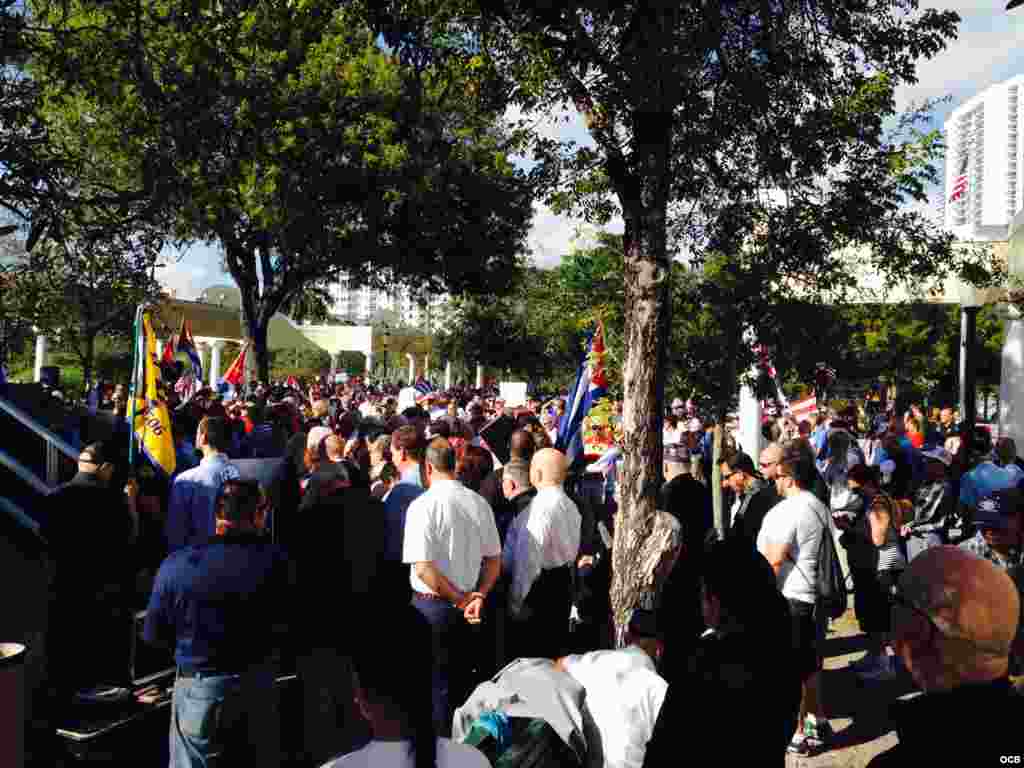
x=55, y=445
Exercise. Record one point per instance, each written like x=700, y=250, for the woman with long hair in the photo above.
x=473, y=467
x=878, y=530
x=393, y=693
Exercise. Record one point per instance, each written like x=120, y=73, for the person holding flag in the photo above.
x=150, y=418
x=590, y=386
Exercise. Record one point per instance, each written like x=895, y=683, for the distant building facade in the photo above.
x=360, y=304
x=985, y=163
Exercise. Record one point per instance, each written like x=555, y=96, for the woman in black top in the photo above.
x=743, y=676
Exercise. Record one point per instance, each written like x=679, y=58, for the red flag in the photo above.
x=597, y=355
x=960, y=182
x=168, y=355
x=236, y=373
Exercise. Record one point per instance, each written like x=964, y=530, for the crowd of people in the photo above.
x=439, y=575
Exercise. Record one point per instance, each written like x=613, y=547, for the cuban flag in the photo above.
x=423, y=388
x=187, y=345
x=589, y=387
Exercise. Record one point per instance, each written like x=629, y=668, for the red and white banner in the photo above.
x=806, y=409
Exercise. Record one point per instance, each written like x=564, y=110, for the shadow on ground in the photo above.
x=866, y=703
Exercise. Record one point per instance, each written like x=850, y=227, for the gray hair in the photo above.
x=518, y=471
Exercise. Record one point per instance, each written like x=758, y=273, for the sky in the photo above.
x=989, y=48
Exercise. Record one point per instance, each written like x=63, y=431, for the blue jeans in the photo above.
x=221, y=720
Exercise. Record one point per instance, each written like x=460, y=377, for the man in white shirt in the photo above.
x=540, y=551
x=451, y=544
x=789, y=539
x=624, y=691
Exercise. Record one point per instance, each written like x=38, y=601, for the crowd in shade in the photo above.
x=437, y=572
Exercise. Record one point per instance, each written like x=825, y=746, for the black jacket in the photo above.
x=987, y=719
x=754, y=505
x=732, y=678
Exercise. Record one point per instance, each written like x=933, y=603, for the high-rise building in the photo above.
x=985, y=162
x=359, y=303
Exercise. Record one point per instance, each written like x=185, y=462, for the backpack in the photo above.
x=831, y=589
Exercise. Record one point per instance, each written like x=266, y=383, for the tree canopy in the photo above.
x=753, y=137
x=283, y=133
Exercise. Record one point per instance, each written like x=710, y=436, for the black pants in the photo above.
x=452, y=675
x=545, y=631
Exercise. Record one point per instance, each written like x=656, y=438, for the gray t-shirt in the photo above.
x=797, y=522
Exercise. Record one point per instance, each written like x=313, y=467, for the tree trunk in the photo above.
x=257, y=338
x=647, y=278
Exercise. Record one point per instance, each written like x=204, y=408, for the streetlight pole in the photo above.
x=970, y=305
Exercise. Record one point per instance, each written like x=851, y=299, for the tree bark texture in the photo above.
x=647, y=275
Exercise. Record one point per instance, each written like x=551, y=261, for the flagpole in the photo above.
x=133, y=389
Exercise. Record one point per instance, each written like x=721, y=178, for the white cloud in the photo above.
x=188, y=272
x=987, y=50
x=553, y=235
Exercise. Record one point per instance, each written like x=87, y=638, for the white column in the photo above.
x=41, y=347
x=448, y=375
x=369, y=365
x=426, y=365
x=215, y=348
x=479, y=376
x=750, y=412
x=334, y=365
x=750, y=423
x=412, y=367
x=1011, y=383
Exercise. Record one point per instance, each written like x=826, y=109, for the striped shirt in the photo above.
x=890, y=556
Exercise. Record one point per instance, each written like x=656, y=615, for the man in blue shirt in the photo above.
x=194, y=494
x=407, y=450
x=222, y=606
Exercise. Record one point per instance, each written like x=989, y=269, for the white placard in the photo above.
x=513, y=393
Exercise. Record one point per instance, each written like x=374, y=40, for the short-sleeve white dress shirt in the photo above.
x=452, y=527
x=545, y=535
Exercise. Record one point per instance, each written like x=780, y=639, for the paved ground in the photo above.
x=857, y=710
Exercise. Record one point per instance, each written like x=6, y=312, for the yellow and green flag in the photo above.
x=152, y=420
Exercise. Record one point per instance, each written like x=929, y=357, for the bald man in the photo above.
x=954, y=620
x=540, y=551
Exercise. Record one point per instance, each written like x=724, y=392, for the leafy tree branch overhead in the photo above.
x=286, y=136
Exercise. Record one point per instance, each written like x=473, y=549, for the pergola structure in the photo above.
x=215, y=325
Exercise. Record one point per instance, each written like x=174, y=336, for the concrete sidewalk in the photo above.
x=857, y=710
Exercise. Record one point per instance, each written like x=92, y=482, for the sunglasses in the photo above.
x=766, y=464
x=938, y=625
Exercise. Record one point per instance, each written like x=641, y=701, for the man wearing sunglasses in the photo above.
x=790, y=538
x=754, y=497
x=954, y=618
